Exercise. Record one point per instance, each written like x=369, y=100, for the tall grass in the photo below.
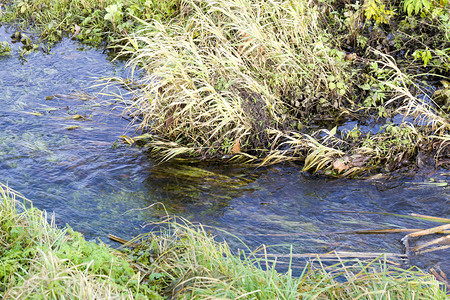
x=182, y=261
x=245, y=77
x=190, y=263
x=227, y=72
x=39, y=261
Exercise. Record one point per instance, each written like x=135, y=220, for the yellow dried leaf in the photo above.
x=236, y=147
x=339, y=166
x=34, y=113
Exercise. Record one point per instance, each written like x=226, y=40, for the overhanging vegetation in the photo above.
x=270, y=81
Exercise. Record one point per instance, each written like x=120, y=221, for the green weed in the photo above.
x=39, y=260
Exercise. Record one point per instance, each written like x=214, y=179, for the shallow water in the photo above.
x=98, y=186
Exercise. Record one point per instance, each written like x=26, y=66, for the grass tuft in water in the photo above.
x=250, y=79
x=229, y=72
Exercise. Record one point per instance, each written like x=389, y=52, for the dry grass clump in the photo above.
x=226, y=72
x=244, y=77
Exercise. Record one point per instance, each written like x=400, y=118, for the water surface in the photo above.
x=60, y=147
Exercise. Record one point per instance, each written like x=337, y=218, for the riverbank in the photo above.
x=181, y=261
x=180, y=266
x=265, y=82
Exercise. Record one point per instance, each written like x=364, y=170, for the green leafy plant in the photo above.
x=336, y=84
x=425, y=55
x=114, y=13
x=375, y=9
x=416, y=6
x=5, y=48
x=23, y=6
x=426, y=7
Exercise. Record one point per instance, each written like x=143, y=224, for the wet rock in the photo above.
x=424, y=160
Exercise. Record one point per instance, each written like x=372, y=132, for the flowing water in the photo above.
x=60, y=147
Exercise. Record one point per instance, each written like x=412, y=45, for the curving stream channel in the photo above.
x=60, y=147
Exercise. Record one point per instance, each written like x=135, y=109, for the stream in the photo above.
x=60, y=147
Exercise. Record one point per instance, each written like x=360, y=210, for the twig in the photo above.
x=122, y=241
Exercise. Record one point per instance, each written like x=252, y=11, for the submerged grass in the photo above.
x=181, y=261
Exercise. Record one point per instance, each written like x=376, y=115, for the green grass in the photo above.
x=99, y=21
x=182, y=261
x=39, y=261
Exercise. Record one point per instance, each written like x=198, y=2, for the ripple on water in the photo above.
x=99, y=186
